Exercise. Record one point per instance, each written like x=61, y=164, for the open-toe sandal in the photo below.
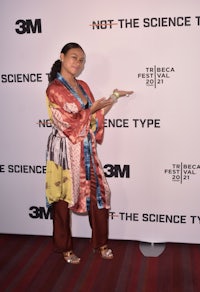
x=106, y=253
x=71, y=258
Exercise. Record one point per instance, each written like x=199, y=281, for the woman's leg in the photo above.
x=62, y=238
x=98, y=219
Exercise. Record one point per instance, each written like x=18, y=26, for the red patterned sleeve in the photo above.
x=97, y=119
x=67, y=114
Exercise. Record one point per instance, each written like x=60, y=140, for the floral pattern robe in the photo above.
x=71, y=149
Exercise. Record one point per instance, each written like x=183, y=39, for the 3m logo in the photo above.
x=28, y=26
x=117, y=170
x=40, y=213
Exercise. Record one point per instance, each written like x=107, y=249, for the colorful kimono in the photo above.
x=71, y=148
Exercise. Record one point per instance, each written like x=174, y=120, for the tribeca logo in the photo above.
x=156, y=75
x=28, y=26
x=181, y=172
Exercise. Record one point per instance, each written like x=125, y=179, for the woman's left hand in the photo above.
x=122, y=93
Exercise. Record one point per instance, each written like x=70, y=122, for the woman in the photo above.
x=74, y=178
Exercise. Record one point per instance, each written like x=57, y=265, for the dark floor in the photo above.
x=28, y=263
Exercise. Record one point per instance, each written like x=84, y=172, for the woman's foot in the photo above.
x=106, y=253
x=71, y=258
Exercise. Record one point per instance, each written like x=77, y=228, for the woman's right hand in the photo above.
x=99, y=104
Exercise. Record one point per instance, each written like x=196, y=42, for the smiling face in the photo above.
x=72, y=63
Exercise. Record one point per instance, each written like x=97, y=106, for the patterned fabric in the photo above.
x=71, y=149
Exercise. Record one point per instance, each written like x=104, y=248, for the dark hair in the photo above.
x=57, y=64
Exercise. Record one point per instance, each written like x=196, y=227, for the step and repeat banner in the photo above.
x=151, y=148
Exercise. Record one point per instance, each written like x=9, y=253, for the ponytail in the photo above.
x=54, y=70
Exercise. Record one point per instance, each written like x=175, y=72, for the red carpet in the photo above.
x=28, y=263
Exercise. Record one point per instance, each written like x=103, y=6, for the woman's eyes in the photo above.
x=76, y=58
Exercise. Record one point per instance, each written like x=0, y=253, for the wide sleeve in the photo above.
x=97, y=119
x=67, y=114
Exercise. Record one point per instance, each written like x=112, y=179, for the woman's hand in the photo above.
x=121, y=93
x=99, y=104
x=108, y=103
